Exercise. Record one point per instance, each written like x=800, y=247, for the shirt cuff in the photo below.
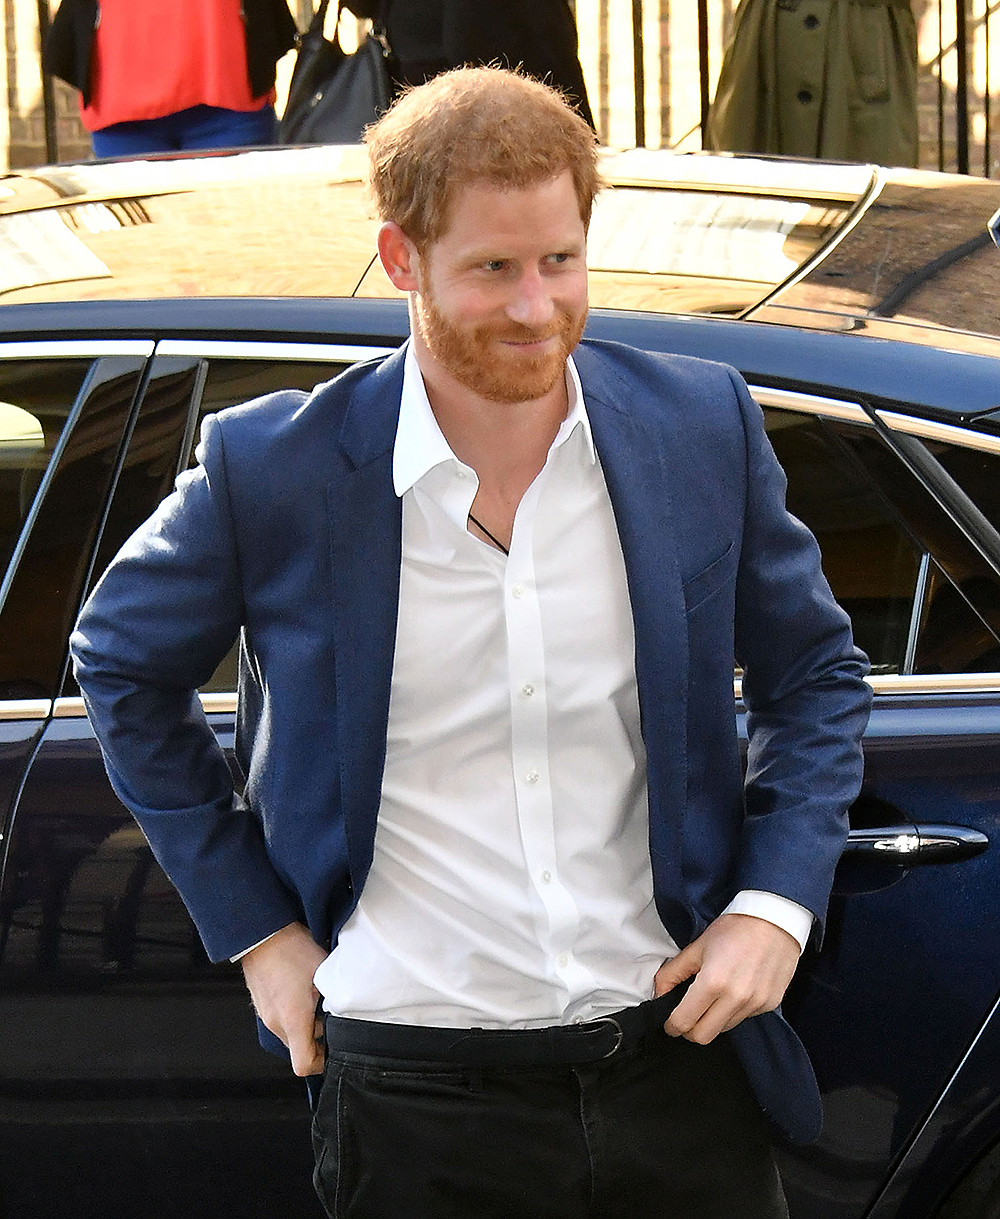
x=240, y=955
x=774, y=908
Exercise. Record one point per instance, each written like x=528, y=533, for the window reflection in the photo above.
x=869, y=558
x=960, y=617
x=37, y=397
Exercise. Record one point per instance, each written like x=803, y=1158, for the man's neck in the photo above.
x=506, y=443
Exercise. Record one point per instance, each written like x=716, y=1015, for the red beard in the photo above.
x=477, y=358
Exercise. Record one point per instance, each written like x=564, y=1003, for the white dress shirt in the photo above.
x=511, y=882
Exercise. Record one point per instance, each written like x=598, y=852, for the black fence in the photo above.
x=956, y=88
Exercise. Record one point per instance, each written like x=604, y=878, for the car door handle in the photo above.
x=909, y=844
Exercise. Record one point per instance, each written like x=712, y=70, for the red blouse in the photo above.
x=155, y=57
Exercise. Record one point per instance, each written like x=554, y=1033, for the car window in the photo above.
x=63, y=424
x=36, y=398
x=976, y=471
x=701, y=251
x=920, y=596
x=976, y=594
x=959, y=624
x=870, y=559
x=959, y=606
x=229, y=382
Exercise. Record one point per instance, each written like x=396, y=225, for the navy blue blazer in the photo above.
x=288, y=536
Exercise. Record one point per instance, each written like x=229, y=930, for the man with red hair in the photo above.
x=489, y=592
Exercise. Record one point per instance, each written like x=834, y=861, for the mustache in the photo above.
x=517, y=333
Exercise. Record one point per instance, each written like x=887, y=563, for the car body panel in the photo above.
x=927, y=759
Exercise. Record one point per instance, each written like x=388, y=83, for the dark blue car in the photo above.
x=860, y=304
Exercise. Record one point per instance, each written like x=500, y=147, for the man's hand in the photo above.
x=741, y=967
x=279, y=976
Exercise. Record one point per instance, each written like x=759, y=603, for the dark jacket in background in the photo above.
x=270, y=29
x=430, y=36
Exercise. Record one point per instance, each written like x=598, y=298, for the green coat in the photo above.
x=820, y=78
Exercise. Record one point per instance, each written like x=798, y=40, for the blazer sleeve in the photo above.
x=154, y=629
x=804, y=689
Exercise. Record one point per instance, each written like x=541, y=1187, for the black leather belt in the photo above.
x=554, y=1045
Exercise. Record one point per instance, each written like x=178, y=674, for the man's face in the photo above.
x=502, y=297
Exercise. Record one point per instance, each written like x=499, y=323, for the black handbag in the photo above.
x=333, y=96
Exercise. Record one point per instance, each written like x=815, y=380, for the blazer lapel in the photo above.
x=365, y=538
x=636, y=458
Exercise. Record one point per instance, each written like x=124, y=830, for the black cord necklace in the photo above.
x=493, y=538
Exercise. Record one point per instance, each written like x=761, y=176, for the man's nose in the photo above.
x=532, y=302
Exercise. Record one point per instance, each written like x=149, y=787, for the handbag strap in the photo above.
x=319, y=19
x=378, y=21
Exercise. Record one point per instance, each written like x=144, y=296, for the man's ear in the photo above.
x=398, y=256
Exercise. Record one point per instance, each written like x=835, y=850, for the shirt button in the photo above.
x=546, y=877
x=532, y=776
x=528, y=689
x=517, y=590
x=563, y=961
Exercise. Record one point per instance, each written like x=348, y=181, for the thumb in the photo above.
x=307, y=1053
x=677, y=969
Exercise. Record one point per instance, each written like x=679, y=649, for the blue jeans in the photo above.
x=197, y=127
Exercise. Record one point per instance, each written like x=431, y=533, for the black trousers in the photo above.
x=663, y=1130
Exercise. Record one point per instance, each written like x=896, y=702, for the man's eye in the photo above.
x=560, y=258
x=495, y=264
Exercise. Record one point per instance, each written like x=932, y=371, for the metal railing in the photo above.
x=956, y=74
x=972, y=52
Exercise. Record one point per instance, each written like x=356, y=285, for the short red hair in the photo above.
x=482, y=125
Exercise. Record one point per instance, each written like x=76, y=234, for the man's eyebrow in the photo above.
x=497, y=250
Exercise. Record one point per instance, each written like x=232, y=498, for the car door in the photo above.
x=126, y=1045
x=909, y=973
x=65, y=408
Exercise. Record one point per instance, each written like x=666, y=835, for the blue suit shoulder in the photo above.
x=275, y=412
x=615, y=372
x=293, y=424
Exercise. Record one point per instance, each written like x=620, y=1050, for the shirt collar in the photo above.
x=421, y=445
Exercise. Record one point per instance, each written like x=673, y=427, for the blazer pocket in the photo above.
x=710, y=579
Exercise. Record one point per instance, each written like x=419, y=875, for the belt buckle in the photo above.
x=618, y=1030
